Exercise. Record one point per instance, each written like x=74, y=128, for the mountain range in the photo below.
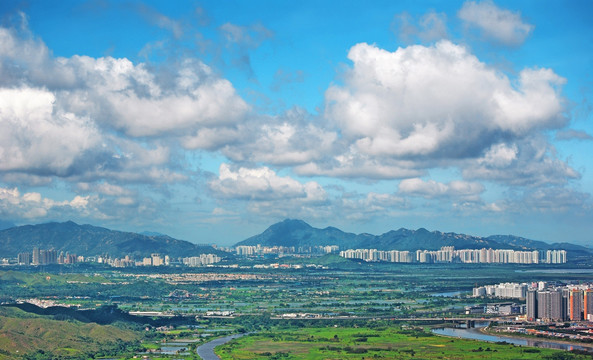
x=298, y=233
x=88, y=240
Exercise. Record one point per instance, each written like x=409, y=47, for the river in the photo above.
x=206, y=351
x=476, y=334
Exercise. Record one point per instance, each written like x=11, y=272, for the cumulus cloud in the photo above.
x=287, y=139
x=531, y=162
x=433, y=189
x=38, y=138
x=263, y=184
x=14, y=205
x=92, y=118
x=439, y=105
x=501, y=25
x=133, y=98
x=545, y=200
x=353, y=164
x=438, y=101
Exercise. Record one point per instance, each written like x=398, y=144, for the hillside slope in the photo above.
x=88, y=240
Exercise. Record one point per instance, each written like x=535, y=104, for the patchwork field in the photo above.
x=364, y=343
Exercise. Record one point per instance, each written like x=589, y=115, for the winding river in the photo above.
x=476, y=334
x=206, y=351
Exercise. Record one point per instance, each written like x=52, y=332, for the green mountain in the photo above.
x=298, y=233
x=88, y=240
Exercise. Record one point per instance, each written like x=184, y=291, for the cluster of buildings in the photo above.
x=46, y=257
x=378, y=255
x=502, y=290
x=202, y=260
x=158, y=260
x=259, y=250
x=506, y=308
x=564, y=303
x=544, y=302
x=448, y=254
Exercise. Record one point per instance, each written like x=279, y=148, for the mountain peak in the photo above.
x=289, y=225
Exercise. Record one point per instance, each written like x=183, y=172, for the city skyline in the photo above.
x=211, y=121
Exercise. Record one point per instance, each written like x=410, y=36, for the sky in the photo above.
x=211, y=120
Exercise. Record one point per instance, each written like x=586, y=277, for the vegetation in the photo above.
x=33, y=336
x=345, y=309
x=379, y=343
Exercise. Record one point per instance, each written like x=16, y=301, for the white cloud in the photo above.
x=499, y=155
x=39, y=138
x=104, y=118
x=32, y=205
x=133, y=98
x=425, y=106
x=352, y=164
x=436, y=101
x=467, y=191
x=263, y=184
x=501, y=25
x=288, y=139
x=136, y=101
x=531, y=162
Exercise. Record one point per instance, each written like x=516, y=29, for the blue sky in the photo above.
x=210, y=121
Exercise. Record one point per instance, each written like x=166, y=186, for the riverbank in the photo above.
x=480, y=335
x=485, y=330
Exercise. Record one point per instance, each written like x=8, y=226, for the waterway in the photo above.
x=206, y=351
x=558, y=271
x=476, y=334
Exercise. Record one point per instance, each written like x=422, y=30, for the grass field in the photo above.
x=363, y=343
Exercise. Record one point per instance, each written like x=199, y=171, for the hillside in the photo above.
x=88, y=240
x=22, y=332
x=298, y=233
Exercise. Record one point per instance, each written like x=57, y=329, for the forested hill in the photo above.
x=298, y=233
x=90, y=240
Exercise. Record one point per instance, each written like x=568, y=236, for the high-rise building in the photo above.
x=576, y=305
x=549, y=305
x=157, y=260
x=531, y=305
x=24, y=259
x=588, y=305
x=565, y=304
x=36, y=256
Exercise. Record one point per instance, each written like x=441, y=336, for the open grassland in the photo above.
x=383, y=343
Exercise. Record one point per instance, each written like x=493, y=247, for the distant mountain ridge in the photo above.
x=298, y=233
x=88, y=240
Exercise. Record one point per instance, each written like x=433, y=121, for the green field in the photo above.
x=382, y=343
